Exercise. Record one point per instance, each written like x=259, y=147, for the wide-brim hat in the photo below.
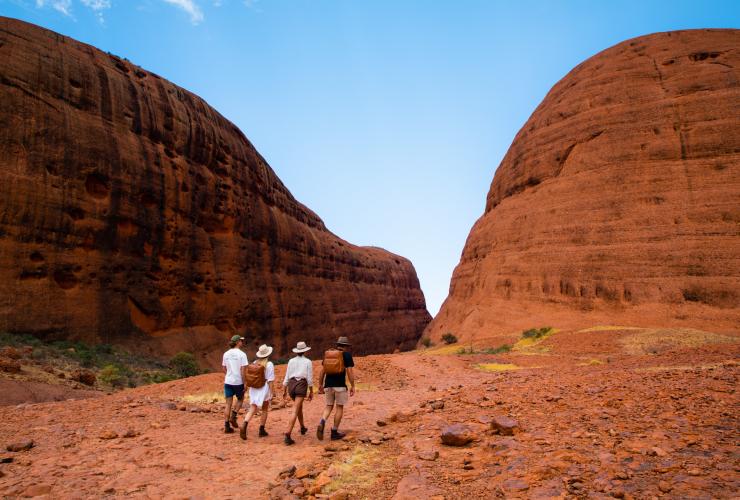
x=264, y=351
x=343, y=341
x=301, y=347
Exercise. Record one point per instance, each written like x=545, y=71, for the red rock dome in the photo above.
x=618, y=201
x=132, y=212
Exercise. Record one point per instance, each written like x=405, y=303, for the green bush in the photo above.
x=426, y=342
x=111, y=375
x=498, y=350
x=184, y=364
x=535, y=333
x=449, y=338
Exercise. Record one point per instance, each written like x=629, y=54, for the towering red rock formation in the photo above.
x=132, y=212
x=618, y=201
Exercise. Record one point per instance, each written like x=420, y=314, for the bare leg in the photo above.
x=238, y=405
x=227, y=412
x=300, y=414
x=327, y=411
x=265, y=410
x=248, y=416
x=297, y=413
x=338, y=416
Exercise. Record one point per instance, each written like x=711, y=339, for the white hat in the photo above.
x=264, y=351
x=301, y=347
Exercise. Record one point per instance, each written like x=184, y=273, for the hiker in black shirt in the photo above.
x=336, y=390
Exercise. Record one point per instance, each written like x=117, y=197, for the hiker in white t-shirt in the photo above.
x=298, y=383
x=234, y=362
x=259, y=397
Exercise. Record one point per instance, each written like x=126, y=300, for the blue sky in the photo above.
x=387, y=118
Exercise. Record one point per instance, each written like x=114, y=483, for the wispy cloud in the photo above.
x=189, y=6
x=97, y=6
x=63, y=6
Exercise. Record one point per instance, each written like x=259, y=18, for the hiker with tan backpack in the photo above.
x=259, y=377
x=335, y=369
x=298, y=383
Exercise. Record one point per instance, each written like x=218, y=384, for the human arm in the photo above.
x=321, y=380
x=310, y=381
x=351, y=377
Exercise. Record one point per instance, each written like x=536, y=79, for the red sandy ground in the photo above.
x=601, y=415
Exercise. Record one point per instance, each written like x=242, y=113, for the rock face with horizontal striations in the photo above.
x=132, y=212
x=618, y=202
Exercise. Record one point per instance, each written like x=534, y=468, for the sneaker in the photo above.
x=288, y=440
x=304, y=430
x=263, y=432
x=227, y=428
x=243, y=431
x=320, y=431
x=233, y=421
x=335, y=435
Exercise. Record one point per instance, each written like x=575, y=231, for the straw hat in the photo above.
x=301, y=347
x=264, y=351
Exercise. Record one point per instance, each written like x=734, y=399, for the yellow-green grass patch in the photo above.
x=531, y=344
x=655, y=340
x=361, y=469
x=443, y=350
x=497, y=367
x=609, y=328
x=591, y=362
x=206, y=397
x=705, y=366
x=365, y=387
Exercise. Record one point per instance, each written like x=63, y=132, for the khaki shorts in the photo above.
x=338, y=395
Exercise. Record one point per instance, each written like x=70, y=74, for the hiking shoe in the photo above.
x=320, y=431
x=227, y=428
x=243, y=431
x=233, y=421
x=335, y=435
x=288, y=440
x=263, y=432
x=304, y=430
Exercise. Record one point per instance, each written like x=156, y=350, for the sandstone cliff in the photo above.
x=132, y=212
x=618, y=201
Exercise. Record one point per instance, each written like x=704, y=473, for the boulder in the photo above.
x=86, y=377
x=504, y=425
x=20, y=446
x=457, y=435
x=9, y=365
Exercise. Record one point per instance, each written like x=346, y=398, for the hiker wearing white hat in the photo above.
x=259, y=376
x=298, y=381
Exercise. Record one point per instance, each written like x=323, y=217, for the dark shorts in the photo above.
x=234, y=390
x=297, y=388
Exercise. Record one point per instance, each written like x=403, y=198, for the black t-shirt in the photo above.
x=338, y=379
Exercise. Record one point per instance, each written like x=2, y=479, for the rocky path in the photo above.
x=589, y=417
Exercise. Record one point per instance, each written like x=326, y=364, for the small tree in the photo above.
x=449, y=338
x=426, y=342
x=184, y=364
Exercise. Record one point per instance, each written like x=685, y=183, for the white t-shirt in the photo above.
x=234, y=359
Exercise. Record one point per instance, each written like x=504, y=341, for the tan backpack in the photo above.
x=255, y=376
x=333, y=362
